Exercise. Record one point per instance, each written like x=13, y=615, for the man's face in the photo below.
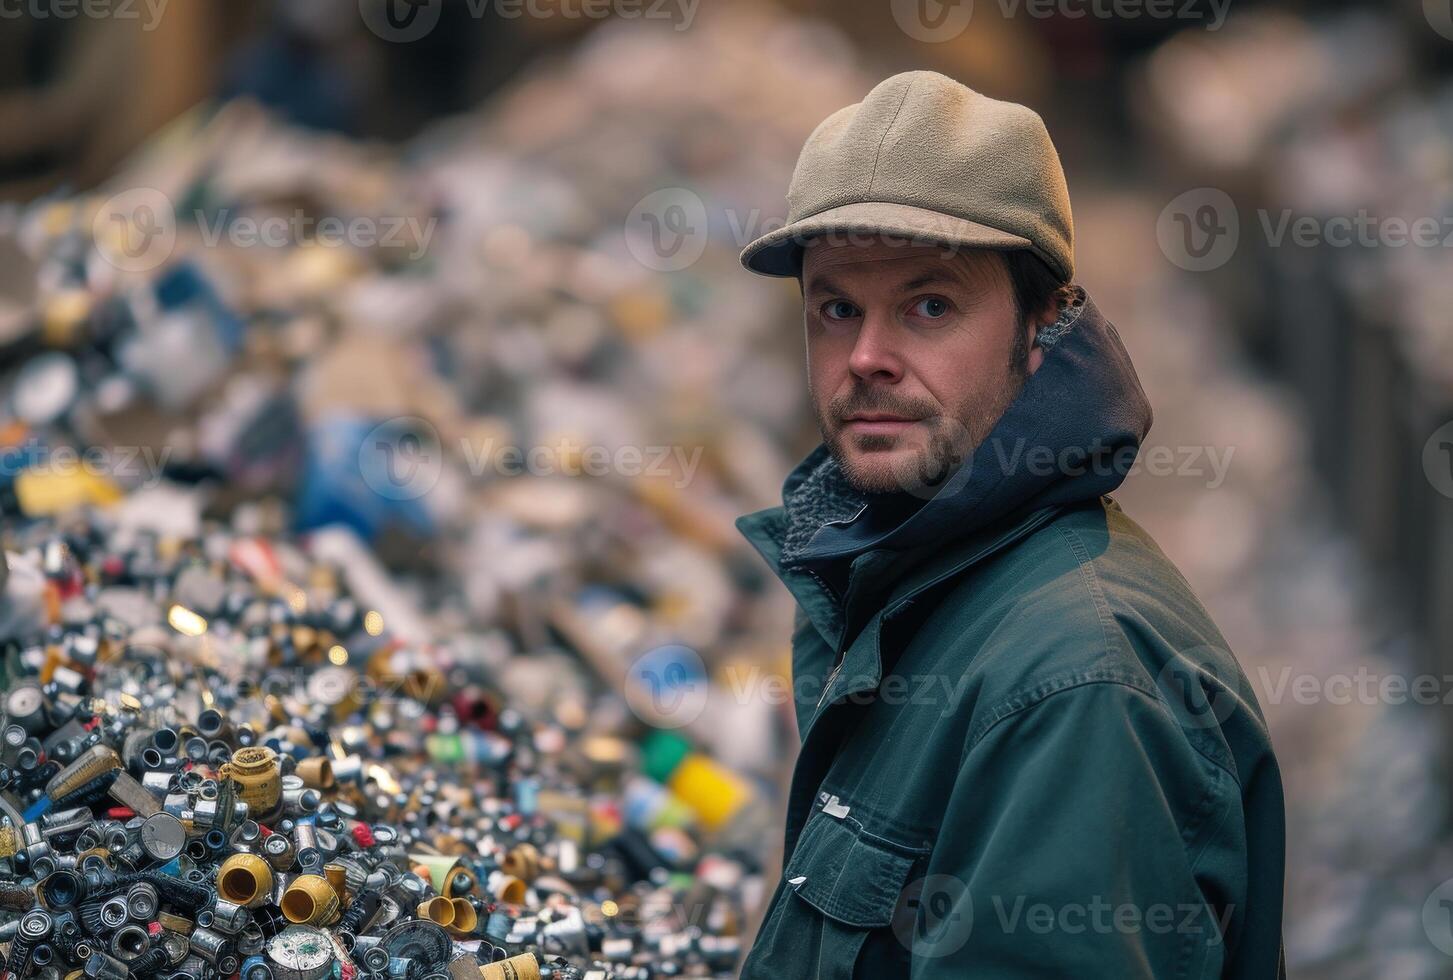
x=912, y=356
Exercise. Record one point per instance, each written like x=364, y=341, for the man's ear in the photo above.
x=1041, y=319
x=1036, y=352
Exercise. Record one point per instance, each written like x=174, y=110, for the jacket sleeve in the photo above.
x=1084, y=838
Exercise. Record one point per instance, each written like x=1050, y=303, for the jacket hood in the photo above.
x=1070, y=435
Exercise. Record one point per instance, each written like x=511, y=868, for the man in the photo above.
x=1026, y=750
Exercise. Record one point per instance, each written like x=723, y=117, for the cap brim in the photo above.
x=779, y=253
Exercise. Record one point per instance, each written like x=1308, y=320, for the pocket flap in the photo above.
x=849, y=874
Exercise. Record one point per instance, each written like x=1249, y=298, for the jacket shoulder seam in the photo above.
x=1019, y=703
x=1089, y=578
x=1024, y=700
x=1107, y=621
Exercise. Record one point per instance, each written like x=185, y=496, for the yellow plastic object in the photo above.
x=508, y=888
x=438, y=910
x=522, y=967
x=310, y=901
x=258, y=776
x=522, y=861
x=245, y=879
x=337, y=876
x=714, y=793
x=316, y=772
x=466, y=919
x=41, y=492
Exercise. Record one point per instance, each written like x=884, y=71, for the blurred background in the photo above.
x=460, y=277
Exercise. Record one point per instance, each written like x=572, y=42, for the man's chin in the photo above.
x=893, y=470
x=879, y=471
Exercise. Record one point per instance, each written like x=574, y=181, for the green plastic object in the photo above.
x=661, y=753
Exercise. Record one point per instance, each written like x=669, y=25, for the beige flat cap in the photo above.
x=926, y=160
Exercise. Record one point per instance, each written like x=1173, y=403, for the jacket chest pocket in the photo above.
x=842, y=885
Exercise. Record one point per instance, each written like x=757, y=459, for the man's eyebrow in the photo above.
x=823, y=283
x=930, y=279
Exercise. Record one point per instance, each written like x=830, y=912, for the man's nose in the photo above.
x=875, y=355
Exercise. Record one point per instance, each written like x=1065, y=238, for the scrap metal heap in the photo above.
x=209, y=767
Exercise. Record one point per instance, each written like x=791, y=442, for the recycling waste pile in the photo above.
x=203, y=774
x=313, y=667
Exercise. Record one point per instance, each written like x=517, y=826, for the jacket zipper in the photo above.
x=841, y=657
x=828, y=683
x=838, y=601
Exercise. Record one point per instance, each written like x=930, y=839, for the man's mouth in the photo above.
x=877, y=423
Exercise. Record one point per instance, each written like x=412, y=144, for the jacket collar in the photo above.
x=900, y=577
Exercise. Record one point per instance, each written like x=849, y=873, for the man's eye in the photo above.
x=933, y=307
x=839, y=309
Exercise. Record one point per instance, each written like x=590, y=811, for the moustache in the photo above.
x=876, y=400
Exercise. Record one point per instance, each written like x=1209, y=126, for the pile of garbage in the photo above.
x=216, y=757
x=372, y=587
